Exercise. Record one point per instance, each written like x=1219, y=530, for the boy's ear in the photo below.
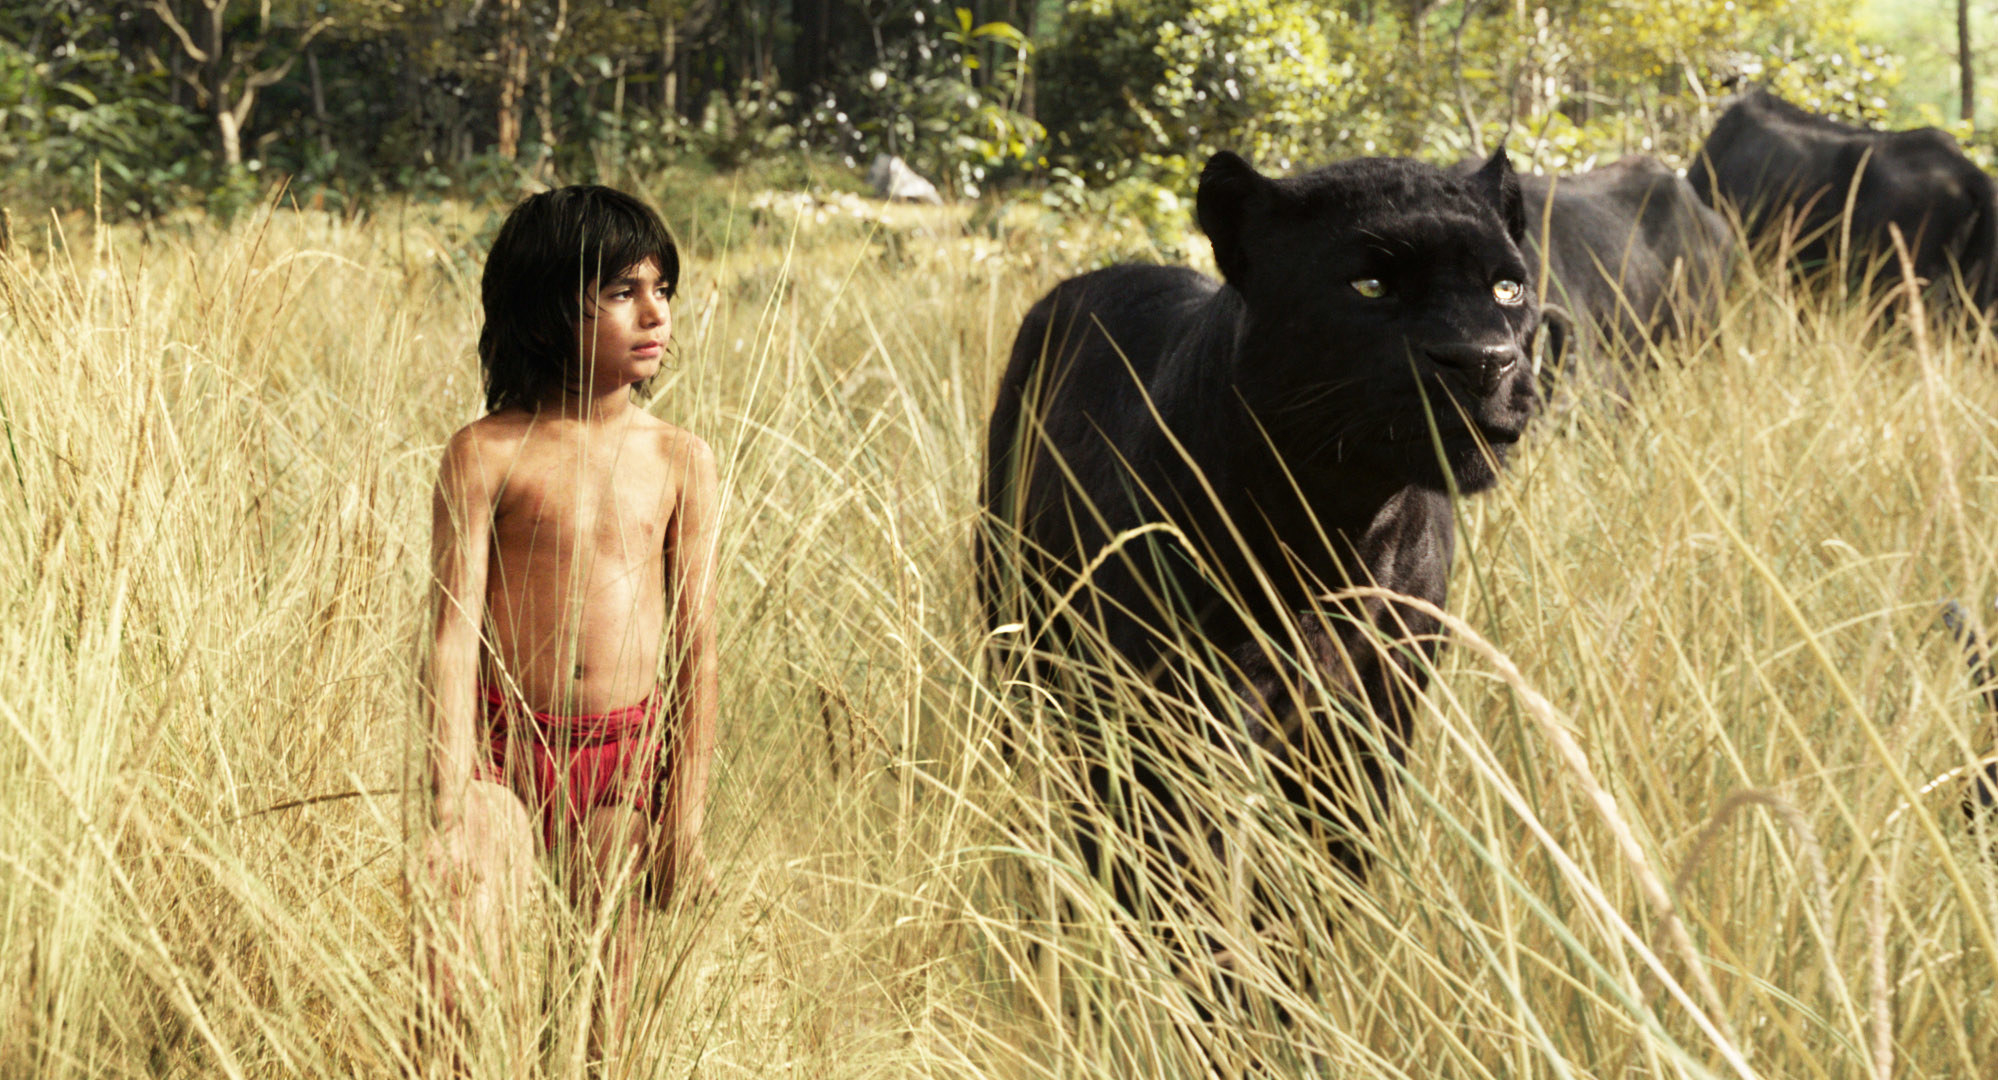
x=1496, y=181
x=1230, y=188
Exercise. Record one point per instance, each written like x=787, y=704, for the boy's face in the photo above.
x=626, y=325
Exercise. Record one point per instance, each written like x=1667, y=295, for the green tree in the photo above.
x=1156, y=85
x=78, y=121
x=237, y=59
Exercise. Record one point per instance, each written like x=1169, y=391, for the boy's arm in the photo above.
x=690, y=559
x=460, y=535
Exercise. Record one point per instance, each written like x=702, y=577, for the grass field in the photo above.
x=1683, y=802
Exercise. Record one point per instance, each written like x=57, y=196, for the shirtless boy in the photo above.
x=573, y=681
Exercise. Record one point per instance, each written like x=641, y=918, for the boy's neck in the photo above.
x=588, y=407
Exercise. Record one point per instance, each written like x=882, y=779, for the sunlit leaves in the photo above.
x=1158, y=84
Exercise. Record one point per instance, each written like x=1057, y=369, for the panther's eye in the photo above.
x=1508, y=292
x=1371, y=288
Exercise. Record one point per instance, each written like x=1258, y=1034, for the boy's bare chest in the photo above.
x=619, y=513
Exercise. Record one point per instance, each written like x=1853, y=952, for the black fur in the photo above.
x=1980, y=798
x=1287, y=427
x=1632, y=254
x=1768, y=160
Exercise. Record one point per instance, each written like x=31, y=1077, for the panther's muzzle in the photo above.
x=1481, y=367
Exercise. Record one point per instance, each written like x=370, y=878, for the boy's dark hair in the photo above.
x=547, y=254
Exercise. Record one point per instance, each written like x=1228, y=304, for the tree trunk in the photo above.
x=544, y=118
x=231, y=138
x=318, y=102
x=669, y=68
x=808, y=52
x=513, y=78
x=228, y=137
x=1027, y=13
x=1965, y=68
x=742, y=31
x=763, y=49
x=544, y=101
x=408, y=47
x=221, y=64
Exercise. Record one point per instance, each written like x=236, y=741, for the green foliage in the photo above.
x=1154, y=86
x=733, y=130
x=1924, y=35
x=64, y=123
x=407, y=96
x=1138, y=219
x=1147, y=88
x=945, y=96
x=1624, y=44
x=1850, y=83
x=1647, y=78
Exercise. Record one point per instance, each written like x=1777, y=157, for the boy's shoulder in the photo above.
x=501, y=432
x=681, y=448
x=480, y=455
x=501, y=426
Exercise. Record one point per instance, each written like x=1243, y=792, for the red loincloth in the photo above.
x=567, y=766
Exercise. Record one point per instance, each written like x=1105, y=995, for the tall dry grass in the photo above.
x=1680, y=803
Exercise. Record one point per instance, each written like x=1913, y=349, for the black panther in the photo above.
x=1632, y=255
x=1779, y=167
x=1180, y=471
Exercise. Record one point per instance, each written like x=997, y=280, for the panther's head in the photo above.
x=1389, y=321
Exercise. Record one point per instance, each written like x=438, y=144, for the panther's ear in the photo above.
x=1228, y=186
x=1499, y=184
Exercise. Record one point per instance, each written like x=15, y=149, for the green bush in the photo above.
x=1151, y=87
x=1849, y=83
x=61, y=127
x=945, y=97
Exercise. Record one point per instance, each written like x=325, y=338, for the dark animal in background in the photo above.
x=1297, y=427
x=1779, y=167
x=1632, y=255
x=1982, y=795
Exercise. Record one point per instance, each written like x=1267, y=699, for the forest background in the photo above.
x=145, y=108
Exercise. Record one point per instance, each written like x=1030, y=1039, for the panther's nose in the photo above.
x=1481, y=365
